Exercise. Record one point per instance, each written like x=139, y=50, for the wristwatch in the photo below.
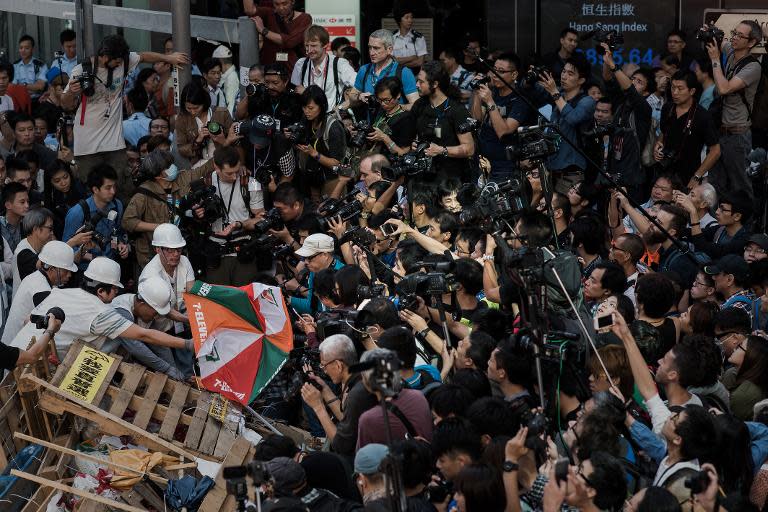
x=613, y=68
x=510, y=466
x=698, y=178
x=264, y=31
x=445, y=151
x=557, y=96
x=422, y=334
x=491, y=108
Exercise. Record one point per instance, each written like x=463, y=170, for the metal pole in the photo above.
x=249, y=49
x=84, y=27
x=182, y=42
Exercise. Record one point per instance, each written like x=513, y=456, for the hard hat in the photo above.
x=156, y=292
x=222, y=52
x=104, y=270
x=58, y=254
x=169, y=236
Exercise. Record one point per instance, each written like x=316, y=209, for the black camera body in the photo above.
x=495, y=202
x=214, y=128
x=41, y=321
x=257, y=90
x=87, y=83
x=534, y=75
x=346, y=208
x=440, y=491
x=370, y=292
x=710, y=34
x=297, y=133
x=297, y=360
x=359, y=236
x=668, y=158
x=477, y=82
x=362, y=130
x=610, y=37
x=90, y=225
x=204, y=197
x=411, y=164
x=600, y=130
x=697, y=483
x=533, y=145
x=345, y=170
x=272, y=220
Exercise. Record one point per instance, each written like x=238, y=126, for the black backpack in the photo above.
x=716, y=108
x=398, y=74
x=305, y=67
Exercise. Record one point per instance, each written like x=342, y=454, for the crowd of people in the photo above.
x=554, y=275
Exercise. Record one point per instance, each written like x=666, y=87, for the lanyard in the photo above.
x=229, y=205
x=440, y=111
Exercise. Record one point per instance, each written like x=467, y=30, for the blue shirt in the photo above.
x=707, y=97
x=106, y=227
x=135, y=127
x=409, y=81
x=24, y=74
x=66, y=64
x=304, y=305
x=509, y=106
x=569, y=120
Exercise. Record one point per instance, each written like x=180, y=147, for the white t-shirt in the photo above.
x=184, y=273
x=322, y=76
x=232, y=196
x=102, y=128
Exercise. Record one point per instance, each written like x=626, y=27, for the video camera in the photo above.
x=409, y=165
x=205, y=197
x=533, y=144
x=348, y=207
x=385, y=377
x=495, y=203
x=256, y=90
x=90, y=225
x=610, y=37
x=710, y=34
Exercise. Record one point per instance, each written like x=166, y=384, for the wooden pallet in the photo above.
x=163, y=414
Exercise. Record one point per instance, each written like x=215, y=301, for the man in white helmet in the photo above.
x=89, y=316
x=144, y=308
x=230, y=82
x=55, y=265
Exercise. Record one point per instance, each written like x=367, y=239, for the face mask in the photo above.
x=172, y=173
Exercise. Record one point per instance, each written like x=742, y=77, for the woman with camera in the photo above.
x=324, y=146
x=200, y=129
x=394, y=127
x=62, y=191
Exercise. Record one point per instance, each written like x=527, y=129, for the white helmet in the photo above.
x=104, y=270
x=169, y=236
x=222, y=52
x=58, y=254
x=156, y=292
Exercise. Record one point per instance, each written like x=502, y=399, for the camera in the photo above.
x=668, y=158
x=265, y=243
x=596, y=131
x=710, y=34
x=87, y=83
x=388, y=230
x=297, y=360
x=41, y=321
x=58, y=54
x=610, y=37
x=411, y=164
x=370, y=292
x=255, y=90
x=477, y=82
x=537, y=424
x=495, y=202
x=533, y=144
x=359, y=236
x=697, y=483
x=346, y=208
x=272, y=220
x=426, y=284
x=98, y=238
x=345, y=170
x=297, y=133
x=534, y=75
x=470, y=124
x=257, y=470
x=440, y=491
x=214, y=128
x=360, y=138
x=205, y=197
x=340, y=321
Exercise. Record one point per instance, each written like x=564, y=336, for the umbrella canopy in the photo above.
x=242, y=336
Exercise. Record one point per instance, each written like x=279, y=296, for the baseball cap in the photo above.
x=287, y=473
x=730, y=264
x=368, y=458
x=259, y=130
x=222, y=52
x=54, y=73
x=759, y=239
x=314, y=244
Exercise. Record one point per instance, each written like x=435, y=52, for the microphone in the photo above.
x=522, y=130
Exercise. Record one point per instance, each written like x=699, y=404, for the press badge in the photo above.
x=277, y=125
x=178, y=327
x=253, y=186
x=438, y=132
x=502, y=111
x=281, y=57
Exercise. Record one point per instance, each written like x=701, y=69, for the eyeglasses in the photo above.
x=754, y=250
x=737, y=35
x=385, y=100
x=502, y=71
x=617, y=248
x=310, y=258
x=323, y=366
x=724, y=210
x=580, y=472
x=703, y=285
x=47, y=227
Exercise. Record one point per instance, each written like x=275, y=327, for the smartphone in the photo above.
x=388, y=229
x=561, y=470
x=603, y=323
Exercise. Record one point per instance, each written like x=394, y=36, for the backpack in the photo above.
x=701, y=257
x=760, y=105
x=398, y=74
x=716, y=109
x=754, y=306
x=305, y=67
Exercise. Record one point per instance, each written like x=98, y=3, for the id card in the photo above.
x=438, y=132
x=281, y=57
x=277, y=125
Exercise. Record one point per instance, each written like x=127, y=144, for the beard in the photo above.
x=654, y=236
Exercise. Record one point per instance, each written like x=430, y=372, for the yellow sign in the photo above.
x=218, y=408
x=87, y=373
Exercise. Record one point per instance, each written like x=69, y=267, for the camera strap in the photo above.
x=401, y=416
x=231, y=195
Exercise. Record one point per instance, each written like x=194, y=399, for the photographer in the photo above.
x=331, y=73
x=12, y=357
x=324, y=145
x=629, y=130
x=438, y=117
x=317, y=251
x=393, y=128
x=685, y=129
x=737, y=85
x=280, y=102
x=501, y=111
x=158, y=198
x=572, y=108
x=99, y=131
x=242, y=199
x=200, y=129
x=270, y=154
x=337, y=354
